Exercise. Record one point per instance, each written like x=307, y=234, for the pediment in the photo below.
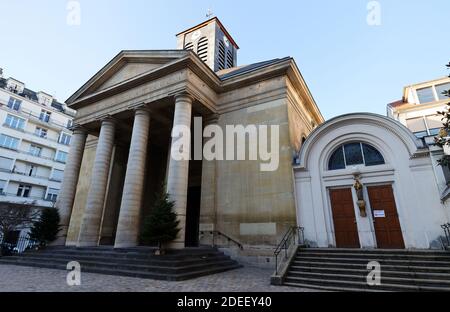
x=124, y=67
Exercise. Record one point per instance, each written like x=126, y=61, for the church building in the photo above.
x=121, y=146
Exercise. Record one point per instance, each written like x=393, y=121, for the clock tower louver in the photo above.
x=212, y=43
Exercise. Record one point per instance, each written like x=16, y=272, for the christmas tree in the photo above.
x=161, y=225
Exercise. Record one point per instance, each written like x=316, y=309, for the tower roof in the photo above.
x=211, y=20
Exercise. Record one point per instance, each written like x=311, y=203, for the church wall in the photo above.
x=256, y=207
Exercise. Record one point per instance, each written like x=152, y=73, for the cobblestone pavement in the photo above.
x=28, y=279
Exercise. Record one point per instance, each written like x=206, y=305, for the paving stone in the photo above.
x=28, y=279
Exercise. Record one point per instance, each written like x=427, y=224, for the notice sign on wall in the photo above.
x=379, y=214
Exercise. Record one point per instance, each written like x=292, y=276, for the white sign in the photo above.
x=379, y=214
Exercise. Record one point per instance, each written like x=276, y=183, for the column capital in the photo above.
x=78, y=129
x=107, y=119
x=141, y=108
x=184, y=96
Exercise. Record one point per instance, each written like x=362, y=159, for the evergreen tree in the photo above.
x=45, y=230
x=161, y=225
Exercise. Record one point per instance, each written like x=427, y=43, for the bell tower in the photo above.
x=212, y=43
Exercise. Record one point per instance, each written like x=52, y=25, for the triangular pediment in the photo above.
x=124, y=67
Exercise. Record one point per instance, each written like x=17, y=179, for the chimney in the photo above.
x=1, y=72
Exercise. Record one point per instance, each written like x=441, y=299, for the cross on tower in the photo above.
x=209, y=13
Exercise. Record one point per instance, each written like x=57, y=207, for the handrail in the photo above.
x=218, y=233
x=287, y=241
x=446, y=228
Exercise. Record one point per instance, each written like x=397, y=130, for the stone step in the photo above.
x=346, y=285
x=167, y=268
x=124, y=254
x=132, y=273
x=303, y=271
x=140, y=260
x=366, y=260
x=177, y=265
x=386, y=268
x=375, y=251
x=393, y=256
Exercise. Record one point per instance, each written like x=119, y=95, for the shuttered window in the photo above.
x=221, y=55
x=202, y=49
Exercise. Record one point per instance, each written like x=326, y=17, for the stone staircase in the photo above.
x=134, y=262
x=346, y=270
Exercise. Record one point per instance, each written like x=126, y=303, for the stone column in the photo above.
x=177, y=178
x=64, y=202
x=90, y=225
x=208, y=213
x=130, y=209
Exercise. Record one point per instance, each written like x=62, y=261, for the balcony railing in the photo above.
x=43, y=198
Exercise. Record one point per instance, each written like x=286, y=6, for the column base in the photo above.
x=176, y=245
x=125, y=245
x=60, y=241
x=87, y=244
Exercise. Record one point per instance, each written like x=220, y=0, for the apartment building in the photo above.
x=34, y=142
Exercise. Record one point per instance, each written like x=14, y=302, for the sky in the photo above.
x=349, y=64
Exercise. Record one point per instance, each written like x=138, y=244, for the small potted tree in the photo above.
x=45, y=230
x=161, y=225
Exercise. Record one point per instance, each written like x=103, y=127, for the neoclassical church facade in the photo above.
x=121, y=145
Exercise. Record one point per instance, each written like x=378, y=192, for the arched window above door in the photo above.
x=355, y=153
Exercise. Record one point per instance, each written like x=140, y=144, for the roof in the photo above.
x=32, y=95
x=235, y=71
x=397, y=103
x=214, y=19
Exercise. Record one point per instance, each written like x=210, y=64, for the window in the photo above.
x=15, y=122
x=52, y=195
x=45, y=116
x=14, y=103
x=64, y=139
x=202, y=49
x=6, y=164
x=230, y=59
x=24, y=190
x=35, y=150
x=425, y=95
x=355, y=154
x=2, y=186
x=417, y=126
x=8, y=142
x=41, y=132
x=30, y=170
x=61, y=157
x=440, y=89
x=69, y=123
x=189, y=46
x=57, y=175
x=221, y=55
x=434, y=124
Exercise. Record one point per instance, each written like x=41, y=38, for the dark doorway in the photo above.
x=192, y=216
x=345, y=228
x=387, y=225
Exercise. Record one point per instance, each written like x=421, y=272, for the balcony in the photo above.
x=35, y=201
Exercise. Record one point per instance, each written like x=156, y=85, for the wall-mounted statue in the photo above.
x=359, y=194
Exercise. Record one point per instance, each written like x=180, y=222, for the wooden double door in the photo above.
x=384, y=212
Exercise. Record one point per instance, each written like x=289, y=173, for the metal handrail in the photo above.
x=218, y=233
x=446, y=228
x=287, y=241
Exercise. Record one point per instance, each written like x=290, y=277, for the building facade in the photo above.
x=369, y=181
x=120, y=152
x=34, y=143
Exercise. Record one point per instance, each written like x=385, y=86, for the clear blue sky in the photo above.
x=348, y=65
